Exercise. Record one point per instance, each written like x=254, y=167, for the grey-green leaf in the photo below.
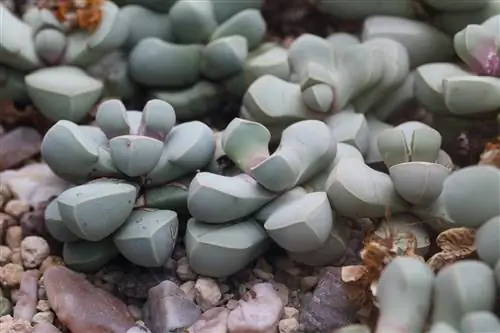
x=148, y=237
x=95, y=210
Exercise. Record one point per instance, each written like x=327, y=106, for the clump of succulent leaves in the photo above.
x=131, y=175
x=187, y=53
x=45, y=61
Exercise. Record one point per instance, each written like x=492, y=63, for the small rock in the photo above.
x=51, y=261
x=135, y=311
x=4, y=255
x=329, y=308
x=16, y=208
x=82, y=307
x=168, y=309
x=34, y=183
x=10, y=275
x=5, y=194
x=34, y=250
x=6, y=221
x=289, y=312
x=45, y=328
x=266, y=276
x=43, y=305
x=5, y=306
x=207, y=294
x=289, y=325
x=43, y=317
x=211, y=321
x=283, y=292
x=232, y=304
x=188, y=289
x=13, y=237
x=259, y=311
x=27, y=296
x=15, y=256
x=18, y=146
x=184, y=272
x=307, y=283
x=14, y=325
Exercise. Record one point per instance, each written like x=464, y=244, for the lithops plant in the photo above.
x=143, y=153
x=444, y=88
x=480, y=322
x=464, y=287
x=203, y=51
x=404, y=295
x=477, y=185
x=410, y=151
x=54, y=55
x=326, y=79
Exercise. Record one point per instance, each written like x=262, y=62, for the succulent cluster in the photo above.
x=123, y=165
x=186, y=53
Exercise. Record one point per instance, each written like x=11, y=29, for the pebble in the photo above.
x=288, y=325
x=211, y=321
x=258, y=312
x=188, y=289
x=19, y=145
x=43, y=317
x=16, y=208
x=10, y=275
x=5, y=253
x=207, y=293
x=5, y=194
x=289, y=312
x=184, y=272
x=14, y=237
x=6, y=221
x=329, y=308
x=15, y=256
x=45, y=328
x=27, y=296
x=307, y=283
x=34, y=250
x=135, y=311
x=5, y=306
x=15, y=325
x=43, y=305
x=168, y=309
x=82, y=307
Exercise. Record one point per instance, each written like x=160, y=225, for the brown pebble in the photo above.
x=18, y=146
x=16, y=208
x=51, y=261
x=15, y=256
x=13, y=237
x=82, y=307
x=5, y=253
x=10, y=275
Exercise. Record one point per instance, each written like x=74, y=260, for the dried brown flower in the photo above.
x=455, y=244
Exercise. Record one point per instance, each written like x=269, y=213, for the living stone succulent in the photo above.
x=118, y=164
x=48, y=60
x=64, y=71
x=189, y=65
